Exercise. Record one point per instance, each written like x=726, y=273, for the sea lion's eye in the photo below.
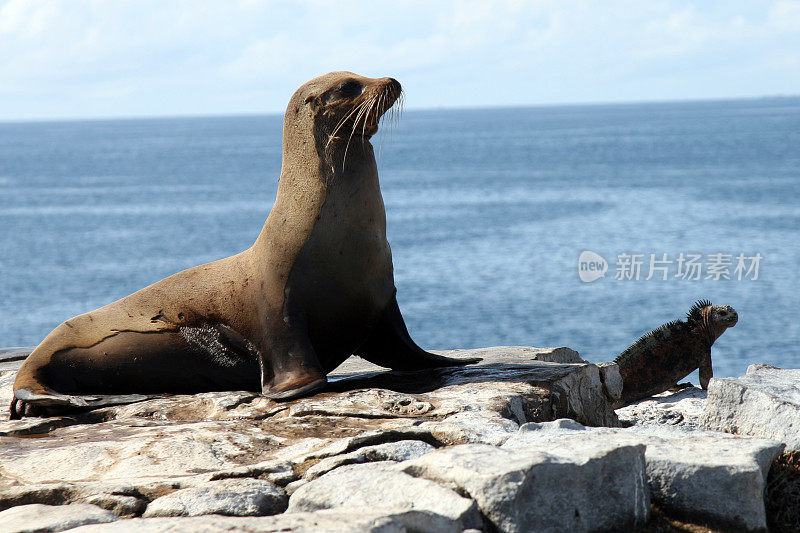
x=351, y=88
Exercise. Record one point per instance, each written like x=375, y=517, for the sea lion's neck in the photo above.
x=339, y=176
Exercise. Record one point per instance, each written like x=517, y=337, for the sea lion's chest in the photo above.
x=347, y=278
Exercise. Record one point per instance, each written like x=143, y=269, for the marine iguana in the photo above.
x=656, y=361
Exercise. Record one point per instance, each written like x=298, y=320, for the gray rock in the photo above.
x=346, y=520
x=391, y=451
x=294, y=485
x=41, y=518
x=33, y=426
x=119, y=504
x=484, y=427
x=119, y=456
x=561, y=354
x=707, y=476
x=516, y=381
x=612, y=380
x=231, y=497
x=374, y=486
x=682, y=409
x=590, y=486
x=15, y=354
x=278, y=472
x=120, y=497
x=120, y=450
x=765, y=402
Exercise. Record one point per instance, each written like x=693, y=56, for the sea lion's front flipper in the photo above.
x=291, y=369
x=389, y=345
x=50, y=403
x=706, y=371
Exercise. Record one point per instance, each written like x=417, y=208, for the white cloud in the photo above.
x=94, y=58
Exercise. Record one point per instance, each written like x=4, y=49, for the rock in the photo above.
x=119, y=450
x=374, y=486
x=522, y=353
x=119, y=504
x=121, y=456
x=112, y=496
x=17, y=353
x=36, y=517
x=346, y=520
x=590, y=486
x=701, y=475
x=485, y=427
x=682, y=408
x=231, y=497
x=294, y=485
x=278, y=472
x=392, y=451
x=765, y=402
x=612, y=380
x=516, y=381
x=34, y=426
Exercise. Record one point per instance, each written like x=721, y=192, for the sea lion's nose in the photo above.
x=394, y=84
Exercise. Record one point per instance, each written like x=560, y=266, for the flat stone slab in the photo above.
x=391, y=451
x=377, y=486
x=345, y=520
x=36, y=518
x=589, y=486
x=230, y=497
x=681, y=409
x=180, y=454
x=186, y=435
x=765, y=402
x=701, y=475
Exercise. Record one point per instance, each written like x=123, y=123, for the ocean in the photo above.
x=488, y=212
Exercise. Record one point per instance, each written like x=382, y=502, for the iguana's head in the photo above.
x=723, y=316
x=714, y=319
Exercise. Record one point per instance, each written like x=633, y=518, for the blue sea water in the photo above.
x=488, y=211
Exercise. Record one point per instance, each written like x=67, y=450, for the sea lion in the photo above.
x=316, y=286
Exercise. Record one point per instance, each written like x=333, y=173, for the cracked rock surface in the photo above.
x=237, y=453
x=526, y=440
x=765, y=402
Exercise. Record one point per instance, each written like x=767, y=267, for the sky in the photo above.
x=94, y=59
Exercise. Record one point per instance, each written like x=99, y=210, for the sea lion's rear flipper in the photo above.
x=29, y=403
x=706, y=371
x=389, y=345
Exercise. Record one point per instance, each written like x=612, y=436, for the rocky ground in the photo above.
x=526, y=440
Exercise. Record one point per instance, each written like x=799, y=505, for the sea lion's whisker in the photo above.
x=375, y=100
x=383, y=132
x=362, y=107
x=341, y=122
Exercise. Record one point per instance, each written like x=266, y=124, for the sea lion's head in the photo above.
x=343, y=105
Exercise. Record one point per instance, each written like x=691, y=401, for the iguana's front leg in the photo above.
x=706, y=372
